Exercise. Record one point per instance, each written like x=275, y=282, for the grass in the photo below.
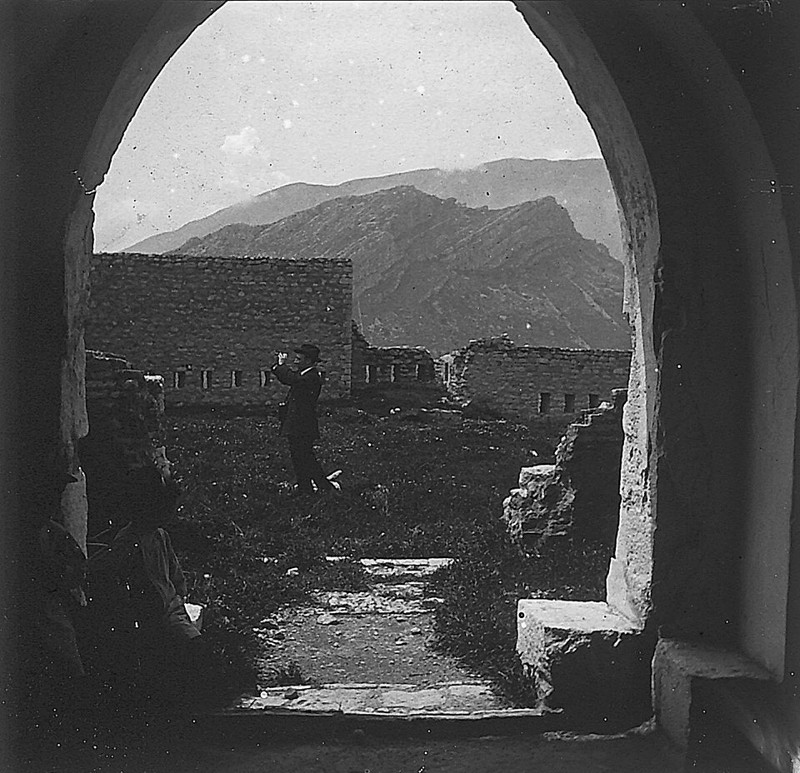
x=287, y=674
x=477, y=620
x=417, y=481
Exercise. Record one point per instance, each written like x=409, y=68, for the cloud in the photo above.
x=247, y=166
x=245, y=143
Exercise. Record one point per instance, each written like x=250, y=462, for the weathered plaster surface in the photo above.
x=676, y=665
x=764, y=368
x=710, y=423
x=599, y=97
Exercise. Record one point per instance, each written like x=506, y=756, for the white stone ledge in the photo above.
x=584, y=657
x=578, y=616
x=676, y=665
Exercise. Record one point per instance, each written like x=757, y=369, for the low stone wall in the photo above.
x=211, y=325
x=579, y=494
x=125, y=409
x=399, y=365
x=533, y=383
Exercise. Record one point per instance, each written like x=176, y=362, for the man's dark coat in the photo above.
x=301, y=403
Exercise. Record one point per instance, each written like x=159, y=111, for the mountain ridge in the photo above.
x=582, y=185
x=434, y=272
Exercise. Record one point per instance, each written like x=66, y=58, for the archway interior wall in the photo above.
x=710, y=426
x=629, y=580
x=768, y=379
x=62, y=77
x=735, y=341
x=161, y=29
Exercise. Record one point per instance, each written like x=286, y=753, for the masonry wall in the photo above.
x=399, y=365
x=530, y=383
x=578, y=496
x=211, y=326
x=125, y=408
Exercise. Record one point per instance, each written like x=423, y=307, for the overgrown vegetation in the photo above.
x=290, y=673
x=477, y=620
x=418, y=480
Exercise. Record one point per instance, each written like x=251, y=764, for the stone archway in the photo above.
x=723, y=328
x=171, y=26
x=709, y=275
x=560, y=31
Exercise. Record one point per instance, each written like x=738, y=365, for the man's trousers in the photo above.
x=306, y=466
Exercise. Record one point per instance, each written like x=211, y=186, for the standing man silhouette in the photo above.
x=299, y=417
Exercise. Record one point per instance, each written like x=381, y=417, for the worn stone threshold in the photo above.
x=454, y=699
x=392, y=568
x=255, y=719
x=377, y=638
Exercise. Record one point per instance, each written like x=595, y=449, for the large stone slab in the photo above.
x=677, y=665
x=399, y=700
x=585, y=659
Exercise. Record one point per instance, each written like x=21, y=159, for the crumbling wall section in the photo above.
x=533, y=383
x=211, y=326
x=578, y=496
x=398, y=365
x=125, y=408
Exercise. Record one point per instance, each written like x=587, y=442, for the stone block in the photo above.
x=677, y=665
x=586, y=660
x=533, y=474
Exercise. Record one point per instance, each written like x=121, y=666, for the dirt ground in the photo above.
x=488, y=755
x=515, y=754
x=365, y=651
x=377, y=648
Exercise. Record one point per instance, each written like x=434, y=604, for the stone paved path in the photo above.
x=368, y=652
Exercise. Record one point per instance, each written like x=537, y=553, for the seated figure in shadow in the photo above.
x=155, y=646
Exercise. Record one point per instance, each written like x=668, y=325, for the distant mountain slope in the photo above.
x=582, y=186
x=436, y=273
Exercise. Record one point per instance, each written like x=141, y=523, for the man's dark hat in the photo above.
x=309, y=350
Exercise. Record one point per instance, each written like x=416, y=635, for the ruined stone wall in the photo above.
x=399, y=365
x=211, y=326
x=578, y=496
x=125, y=408
x=530, y=383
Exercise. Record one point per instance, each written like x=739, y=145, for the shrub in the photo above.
x=476, y=622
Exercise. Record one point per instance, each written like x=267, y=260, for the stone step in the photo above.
x=381, y=599
x=397, y=569
x=473, y=699
x=586, y=657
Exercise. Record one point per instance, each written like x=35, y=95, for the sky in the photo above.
x=268, y=93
